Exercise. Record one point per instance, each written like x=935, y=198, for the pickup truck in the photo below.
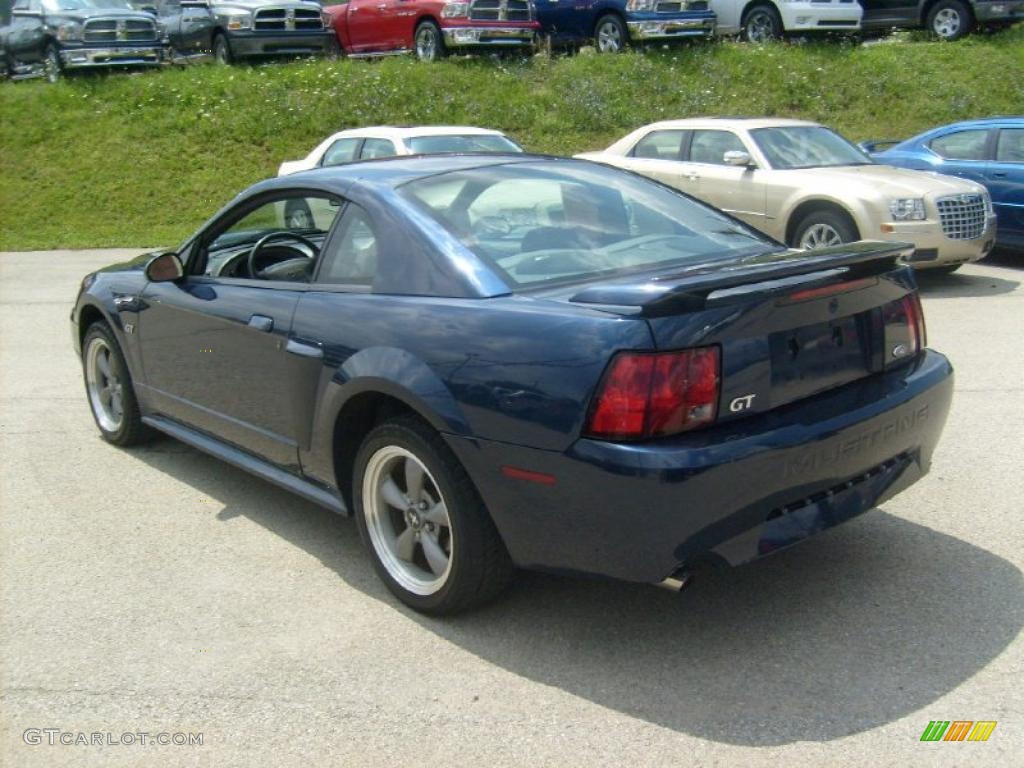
x=239, y=29
x=431, y=28
x=946, y=19
x=612, y=24
x=49, y=37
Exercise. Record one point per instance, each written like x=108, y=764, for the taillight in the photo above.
x=649, y=394
x=905, y=334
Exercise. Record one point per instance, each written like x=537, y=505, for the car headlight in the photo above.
x=69, y=30
x=235, y=19
x=907, y=208
x=459, y=9
x=641, y=5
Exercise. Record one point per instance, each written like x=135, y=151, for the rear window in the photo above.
x=429, y=145
x=553, y=221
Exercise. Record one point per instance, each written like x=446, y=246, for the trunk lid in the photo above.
x=788, y=324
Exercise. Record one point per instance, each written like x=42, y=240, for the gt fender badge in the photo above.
x=741, y=403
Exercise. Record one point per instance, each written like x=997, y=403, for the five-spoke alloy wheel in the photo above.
x=108, y=385
x=431, y=538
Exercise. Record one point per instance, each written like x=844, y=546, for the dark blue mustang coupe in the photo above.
x=514, y=360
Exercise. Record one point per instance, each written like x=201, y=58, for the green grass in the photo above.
x=144, y=159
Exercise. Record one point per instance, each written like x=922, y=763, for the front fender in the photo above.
x=385, y=371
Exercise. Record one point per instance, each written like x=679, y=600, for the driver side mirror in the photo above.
x=149, y=9
x=165, y=268
x=736, y=157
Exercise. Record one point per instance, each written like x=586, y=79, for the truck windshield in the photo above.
x=55, y=6
x=426, y=145
x=542, y=222
x=807, y=146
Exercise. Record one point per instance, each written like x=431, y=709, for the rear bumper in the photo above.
x=148, y=54
x=808, y=16
x=298, y=43
x=654, y=26
x=734, y=493
x=477, y=35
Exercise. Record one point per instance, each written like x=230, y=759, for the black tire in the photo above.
x=480, y=567
x=428, y=42
x=826, y=220
x=130, y=430
x=950, y=20
x=222, y=49
x=762, y=24
x=52, y=68
x=297, y=215
x=943, y=271
x=610, y=34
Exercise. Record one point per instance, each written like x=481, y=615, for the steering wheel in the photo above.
x=251, y=262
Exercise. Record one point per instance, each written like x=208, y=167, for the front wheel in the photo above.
x=762, y=25
x=430, y=536
x=950, y=20
x=610, y=34
x=222, y=50
x=108, y=386
x=429, y=42
x=823, y=229
x=52, y=67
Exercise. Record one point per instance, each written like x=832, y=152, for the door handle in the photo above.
x=303, y=349
x=999, y=175
x=261, y=323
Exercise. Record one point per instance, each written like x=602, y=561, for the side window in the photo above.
x=20, y=5
x=711, y=146
x=170, y=7
x=1011, y=146
x=306, y=216
x=377, y=148
x=353, y=259
x=341, y=151
x=660, y=145
x=961, y=145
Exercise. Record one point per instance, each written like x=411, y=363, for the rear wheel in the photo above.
x=823, y=229
x=950, y=20
x=52, y=68
x=108, y=385
x=610, y=34
x=429, y=43
x=762, y=24
x=222, y=50
x=947, y=270
x=430, y=536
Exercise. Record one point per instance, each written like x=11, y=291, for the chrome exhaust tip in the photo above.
x=678, y=581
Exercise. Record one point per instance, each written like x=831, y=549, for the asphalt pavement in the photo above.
x=159, y=591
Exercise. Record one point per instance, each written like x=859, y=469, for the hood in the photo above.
x=81, y=14
x=255, y=4
x=890, y=181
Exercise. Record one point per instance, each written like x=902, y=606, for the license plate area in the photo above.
x=817, y=357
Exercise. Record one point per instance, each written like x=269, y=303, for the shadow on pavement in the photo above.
x=864, y=625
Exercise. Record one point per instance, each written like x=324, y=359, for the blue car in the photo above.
x=612, y=24
x=989, y=151
x=516, y=360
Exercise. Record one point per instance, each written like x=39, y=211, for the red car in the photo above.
x=433, y=27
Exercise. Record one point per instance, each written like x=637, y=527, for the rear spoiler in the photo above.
x=764, y=275
x=874, y=145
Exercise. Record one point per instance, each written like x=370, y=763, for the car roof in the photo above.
x=390, y=172
x=402, y=132
x=983, y=122
x=730, y=122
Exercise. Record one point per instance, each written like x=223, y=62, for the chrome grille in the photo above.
x=962, y=216
x=119, y=31
x=286, y=19
x=675, y=6
x=500, y=10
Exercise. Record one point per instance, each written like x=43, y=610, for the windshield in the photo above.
x=807, y=146
x=78, y=5
x=551, y=221
x=427, y=145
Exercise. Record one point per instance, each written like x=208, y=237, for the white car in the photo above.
x=763, y=20
x=388, y=141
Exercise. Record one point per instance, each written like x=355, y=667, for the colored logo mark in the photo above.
x=958, y=730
